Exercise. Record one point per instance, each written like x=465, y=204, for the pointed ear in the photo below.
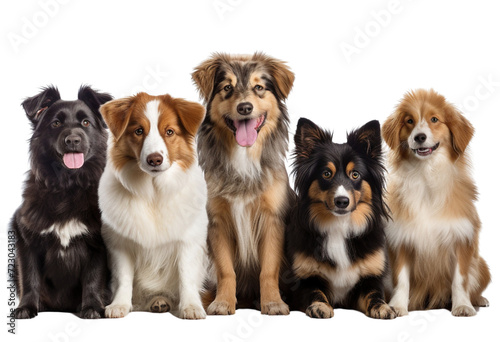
x=116, y=114
x=367, y=139
x=93, y=100
x=37, y=105
x=280, y=72
x=461, y=129
x=191, y=114
x=307, y=137
x=391, y=130
x=204, y=76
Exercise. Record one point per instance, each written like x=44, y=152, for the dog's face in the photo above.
x=154, y=131
x=424, y=125
x=337, y=179
x=243, y=94
x=66, y=132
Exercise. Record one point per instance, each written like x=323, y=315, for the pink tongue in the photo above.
x=73, y=160
x=246, y=134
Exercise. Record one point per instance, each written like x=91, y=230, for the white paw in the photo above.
x=117, y=310
x=463, y=311
x=400, y=311
x=193, y=311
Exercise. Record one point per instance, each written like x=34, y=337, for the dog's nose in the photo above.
x=244, y=108
x=72, y=140
x=155, y=159
x=341, y=202
x=420, y=138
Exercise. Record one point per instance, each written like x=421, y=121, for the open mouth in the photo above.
x=246, y=130
x=425, y=151
x=73, y=160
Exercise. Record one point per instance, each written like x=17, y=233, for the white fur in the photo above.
x=459, y=295
x=244, y=164
x=155, y=228
x=153, y=143
x=247, y=249
x=401, y=293
x=65, y=232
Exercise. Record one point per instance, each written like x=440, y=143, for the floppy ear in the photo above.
x=204, y=75
x=307, y=137
x=461, y=129
x=37, y=105
x=391, y=130
x=93, y=100
x=280, y=72
x=367, y=139
x=116, y=114
x=191, y=114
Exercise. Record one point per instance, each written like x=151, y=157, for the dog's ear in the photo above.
x=461, y=129
x=116, y=114
x=190, y=113
x=204, y=75
x=37, y=105
x=391, y=130
x=367, y=140
x=283, y=75
x=307, y=137
x=94, y=99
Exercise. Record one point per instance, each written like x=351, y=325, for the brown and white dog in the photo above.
x=242, y=144
x=153, y=200
x=433, y=237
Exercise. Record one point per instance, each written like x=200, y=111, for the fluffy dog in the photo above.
x=61, y=258
x=434, y=235
x=335, y=240
x=153, y=200
x=242, y=144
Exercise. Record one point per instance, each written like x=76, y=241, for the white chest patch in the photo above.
x=246, y=237
x=244, y=164
x=65, y=232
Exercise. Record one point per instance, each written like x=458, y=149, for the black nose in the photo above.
x=244, y=108
x=72, y=140
x=342, y=202
x=420, y=138
x=155, y=159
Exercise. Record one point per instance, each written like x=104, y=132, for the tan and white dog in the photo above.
x=153, y=201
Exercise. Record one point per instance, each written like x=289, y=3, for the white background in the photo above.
x=127, y=46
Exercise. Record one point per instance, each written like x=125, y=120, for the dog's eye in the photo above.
x=170, y=132
x=355, y=174
x=409, y=121
x=327, y=174
x=258, y=87
x=85, y=123
x=56, y=124
x=434, y=119
x=139, y=131
x=228, y=87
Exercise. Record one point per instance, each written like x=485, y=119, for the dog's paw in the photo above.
x=159, y=304
x=463, y=311
x=90, y=313
x=117, y=310
x=481, y=302
x=400, y=310
x=193, y=311
x=274, y=308
x=382, y=311
x=319, y=310
x=25, y=312
x=221, y=307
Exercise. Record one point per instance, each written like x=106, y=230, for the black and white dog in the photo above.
x=61, y=258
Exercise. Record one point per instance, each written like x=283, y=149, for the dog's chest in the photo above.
x=67, y=231
x=246, y=232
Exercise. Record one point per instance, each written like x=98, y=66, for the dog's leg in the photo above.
x=460, y=297
x=122, y=271
x=191, y=276
x=313, y=299
x=29, y=279
x=94, y=285
x=371, y=299
x=400, y=298
x=221, y=247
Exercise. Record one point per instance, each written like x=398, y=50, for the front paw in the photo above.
x=463, y=311
x=91, y=313
x=25, y=312
x=117, y=310
x=400, y=311
x=274, y=308
x=193, y=311
x=319, y=310
x=221, y=307
x=382, y=311
x=159, y=304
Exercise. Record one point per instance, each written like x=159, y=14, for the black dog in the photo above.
x=336, y=241
x=61, y=258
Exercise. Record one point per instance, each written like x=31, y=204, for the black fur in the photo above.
x=314, y=150
x=50, y=276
